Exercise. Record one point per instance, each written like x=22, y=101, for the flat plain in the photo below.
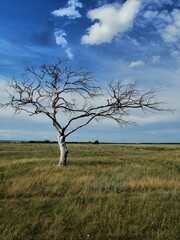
x=108, y=191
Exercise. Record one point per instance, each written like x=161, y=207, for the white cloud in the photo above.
x=165, y=17
x=155, y=59
x=171, y=32
x=136, y=64
x=60, y=37
x=113, y=19
x=175, y=52
x=150, y=14
x=70, y=11
x=69, y=53
x=167, y=24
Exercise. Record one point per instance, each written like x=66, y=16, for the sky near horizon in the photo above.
x=127, y=40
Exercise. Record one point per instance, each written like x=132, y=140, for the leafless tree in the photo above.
x=57, y=91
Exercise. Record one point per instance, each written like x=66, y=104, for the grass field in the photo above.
x=108, y=191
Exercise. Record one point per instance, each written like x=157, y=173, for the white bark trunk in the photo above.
x=63, y=151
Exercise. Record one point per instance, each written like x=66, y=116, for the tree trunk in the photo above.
x=63, y=151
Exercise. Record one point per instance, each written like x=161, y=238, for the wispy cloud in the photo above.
x=167, y=23
x=171, y=33
x=113, y=19
x=60, y=37
x=155, y=59
x=70, y=11
x=175, y=52
x=157, y=4
x=149, y=14
x=69, y=53
x=101, y=2
x=136, y=64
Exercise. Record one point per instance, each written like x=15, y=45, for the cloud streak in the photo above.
x=136, y=64
x=166, y=23
x=70, y=11
x=113, y=19
x=60, y=37
x=171, y=33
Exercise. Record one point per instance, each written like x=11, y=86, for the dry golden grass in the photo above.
x=107, y=192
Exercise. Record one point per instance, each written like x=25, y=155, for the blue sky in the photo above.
x=136, y=40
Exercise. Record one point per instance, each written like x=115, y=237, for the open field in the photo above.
x=108, y=192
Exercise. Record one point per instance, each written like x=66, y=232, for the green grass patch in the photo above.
x=108, y=191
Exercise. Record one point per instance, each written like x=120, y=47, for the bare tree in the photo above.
x=57, y=90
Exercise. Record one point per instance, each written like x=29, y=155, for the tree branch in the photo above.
x=55, y=88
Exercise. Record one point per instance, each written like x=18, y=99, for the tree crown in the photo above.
x=55, y=88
